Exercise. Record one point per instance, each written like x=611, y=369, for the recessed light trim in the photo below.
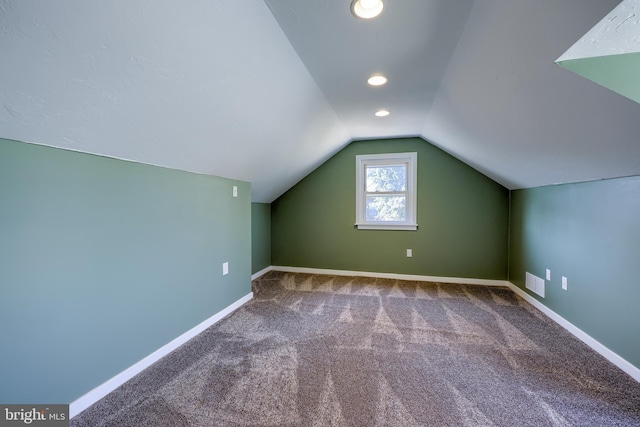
x=366, y=9
x=382, y=113
x=377, y=80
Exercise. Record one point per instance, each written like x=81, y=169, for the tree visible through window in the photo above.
x=386, y=188
x=385, y=193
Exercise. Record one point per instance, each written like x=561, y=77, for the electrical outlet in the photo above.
x=235, y=191
x=225, y=268
x=564, y=283
x=409, y=253
x=548, y=274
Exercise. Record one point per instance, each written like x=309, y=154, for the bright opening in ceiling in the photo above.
x=377, y=80
x=366, y=9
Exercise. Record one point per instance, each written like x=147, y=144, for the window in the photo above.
x=386, y=188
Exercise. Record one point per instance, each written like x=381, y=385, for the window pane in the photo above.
x=386, y=178
x=386, y=208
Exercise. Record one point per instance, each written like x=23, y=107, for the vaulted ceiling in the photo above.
x=265, y=91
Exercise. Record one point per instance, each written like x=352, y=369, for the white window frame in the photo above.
x=388, y=159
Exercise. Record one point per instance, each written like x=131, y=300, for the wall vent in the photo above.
x=535, y=284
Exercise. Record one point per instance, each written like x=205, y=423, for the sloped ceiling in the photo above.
x=609, y=54
x=265, y=92
x=207, y=86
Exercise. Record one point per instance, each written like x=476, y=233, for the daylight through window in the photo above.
x=386, y=191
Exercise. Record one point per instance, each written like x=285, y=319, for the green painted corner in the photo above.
x=618, y=73
x=588, y=232
x=260, y=236
x=462, y=219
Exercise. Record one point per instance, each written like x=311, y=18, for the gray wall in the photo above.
x=462, y=218
x=103, y=261
x=590, y=233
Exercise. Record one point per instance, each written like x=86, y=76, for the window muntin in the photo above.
x=386, y=191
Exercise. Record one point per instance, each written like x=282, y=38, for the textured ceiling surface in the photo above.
x=266, y=91
x=617, y=33
x=211, y=87
x=609, y=54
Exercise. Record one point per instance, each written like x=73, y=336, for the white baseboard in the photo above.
x=265, y=270
x=608, y=354
x=614, y=358
x=460, y=280
x=82, y=403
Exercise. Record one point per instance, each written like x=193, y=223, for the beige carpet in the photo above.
x=315, y=350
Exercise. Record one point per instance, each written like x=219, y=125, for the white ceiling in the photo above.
x=267, y=92
x=615, y=34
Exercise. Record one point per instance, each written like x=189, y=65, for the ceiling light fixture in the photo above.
x=377, y=80
x=382, y=113
x=366, y=9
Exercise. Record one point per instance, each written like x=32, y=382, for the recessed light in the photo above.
x=377, y=80
x=366, y=9
x=382, y=113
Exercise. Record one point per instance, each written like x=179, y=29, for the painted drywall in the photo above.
x=590, y=233
x=609, y=54
x=128, y=79
x=618, y=73
x=462, y=219
x=615, y=34
x=260, y=236
x=104, y=261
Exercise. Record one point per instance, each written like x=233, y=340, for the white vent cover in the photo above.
x=534, y=284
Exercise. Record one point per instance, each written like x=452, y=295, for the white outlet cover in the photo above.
x=225, y=268
x=409, y=253
x=564, y=283
x=548, y=274
x=235, y=191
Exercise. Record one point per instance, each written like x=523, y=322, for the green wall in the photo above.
x=260, y=236
x=104, y=261
x=618, y=73
x=590, y=233
x=462, y=219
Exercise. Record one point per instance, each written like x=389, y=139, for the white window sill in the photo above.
x=407, y=227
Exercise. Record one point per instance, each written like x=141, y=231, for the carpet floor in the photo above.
x=319, y=350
